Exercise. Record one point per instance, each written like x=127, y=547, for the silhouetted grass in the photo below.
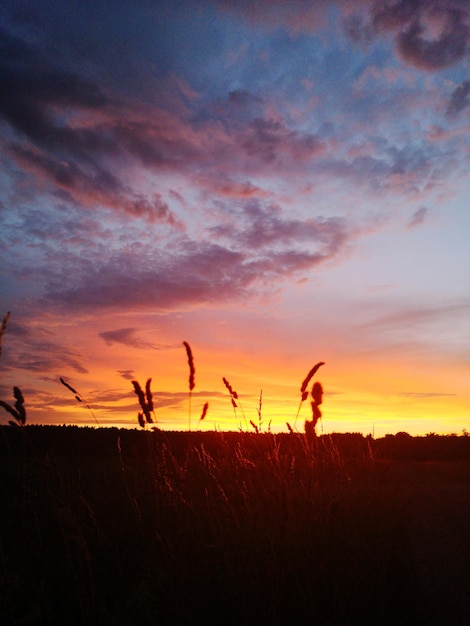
x=131, y=527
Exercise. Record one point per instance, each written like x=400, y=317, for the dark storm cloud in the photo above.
x=460, y=99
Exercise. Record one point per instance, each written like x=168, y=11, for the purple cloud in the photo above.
x=269, y=140
x=428, y=35
x=127, y=374
x=264, y=248
x=460, y=99
x=128, y=337
x=450, y=46
x=418, y=217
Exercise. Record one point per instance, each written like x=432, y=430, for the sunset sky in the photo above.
x=276, y=183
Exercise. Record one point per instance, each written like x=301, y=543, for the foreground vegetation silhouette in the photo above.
x=108, y=526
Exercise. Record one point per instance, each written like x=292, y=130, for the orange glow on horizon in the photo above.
x=369, y=396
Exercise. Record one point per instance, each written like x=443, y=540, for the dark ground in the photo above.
x=107, y=527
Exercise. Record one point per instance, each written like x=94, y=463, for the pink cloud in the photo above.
x=231, y=189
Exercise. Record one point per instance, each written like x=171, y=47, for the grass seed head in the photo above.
x=317, y=393
x=309, y=376
x=74, y=391
x=192, y=369
x=204, y=411
x=148, y=395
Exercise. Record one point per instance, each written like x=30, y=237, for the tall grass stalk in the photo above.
x=303, y=387
x=79, y=398
x=18, y=411
x=145, y=401
x=191, y=380
x=235, y=400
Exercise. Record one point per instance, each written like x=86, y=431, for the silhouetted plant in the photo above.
x=145, y=401
x=234, y=399
x=18, y=411
x=192, y=373
x=303, y=387
x=254, y=426
x=204, y=411
x=317, y=399
x=259, y=425
x=79, y=397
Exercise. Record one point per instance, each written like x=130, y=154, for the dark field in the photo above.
x=121, y=527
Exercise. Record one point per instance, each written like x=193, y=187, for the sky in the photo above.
x=275, y=183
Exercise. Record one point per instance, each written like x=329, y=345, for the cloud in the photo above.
x=425, y=394
x=418, y=316
x=428, y=35
x=449, y=48
x=28, y=350
x=256, y=246
x=127, y=374
x=262, y=226
x=459, y=100
x=227, y=188
x=41, y=356
x=202, y=273
x=31, y=83
x=269, y=140
x=91, y=186
x=128, y=337
x=418, y=217
x=71, y=135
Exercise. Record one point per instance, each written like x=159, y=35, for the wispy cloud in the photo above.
x=459, y=99
x=418, y=217
x=418, y=395
x=129, y=337
x=127, y=374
